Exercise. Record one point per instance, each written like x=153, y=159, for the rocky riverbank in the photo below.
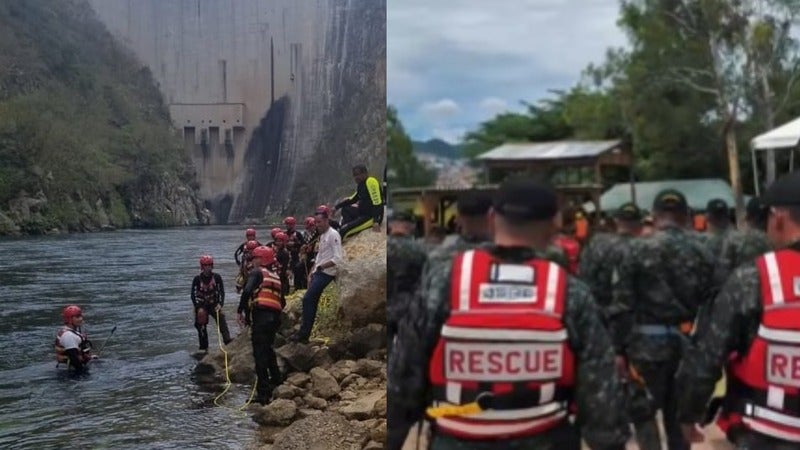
x=334, y=394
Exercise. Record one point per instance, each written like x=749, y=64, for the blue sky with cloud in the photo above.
x=453, y=64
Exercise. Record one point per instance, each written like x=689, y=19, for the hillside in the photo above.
x=439, y=148
x=85, y=138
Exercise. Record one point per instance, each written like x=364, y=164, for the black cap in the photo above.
x=628, y=211
x=717, y=208
x=756, y=208
x=670, y=200
x=523, y=199
x=402, y=216
x=785, y=191
x=473, y=203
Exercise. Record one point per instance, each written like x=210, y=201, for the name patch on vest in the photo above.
x=506, y=293
x=502, y=362
x=783, y=365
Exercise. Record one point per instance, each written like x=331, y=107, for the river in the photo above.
x=144, y=392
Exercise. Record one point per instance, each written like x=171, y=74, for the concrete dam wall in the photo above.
x=275, y=99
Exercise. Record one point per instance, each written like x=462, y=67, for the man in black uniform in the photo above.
x=369, y=212
x=296, y=242
x=208, y=297
x=250, y=235
x=260, y=306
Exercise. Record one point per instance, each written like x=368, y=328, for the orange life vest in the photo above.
x=504, y=342
x=764, y=384
x=269, y=293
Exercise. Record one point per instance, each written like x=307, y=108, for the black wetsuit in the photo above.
x=209, y=303
x=368, y=212
x=297, y=240
x=240, y=251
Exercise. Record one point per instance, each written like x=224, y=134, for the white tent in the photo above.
x=786, y=136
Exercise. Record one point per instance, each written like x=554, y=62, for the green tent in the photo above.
x=698, y=193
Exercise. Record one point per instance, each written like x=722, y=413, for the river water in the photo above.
x=144, y=392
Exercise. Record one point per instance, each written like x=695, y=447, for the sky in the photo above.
x=453, y=64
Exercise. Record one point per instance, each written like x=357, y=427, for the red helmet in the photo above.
x=250, y=234
x=70, y=312
x=266, y=254
x=251, y=245
x=206, y=260
x=310, y=222
x=282, y=237
x=290, y=221
x=275, y=231
x=323, y=209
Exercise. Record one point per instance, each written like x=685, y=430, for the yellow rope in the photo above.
x=228, y=375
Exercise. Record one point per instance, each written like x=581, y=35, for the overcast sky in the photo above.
x=454, y=63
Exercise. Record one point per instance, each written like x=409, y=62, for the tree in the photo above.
x=404, y=168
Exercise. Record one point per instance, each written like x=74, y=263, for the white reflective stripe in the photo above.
x=772, y=334
x=453, y=392
x=774, y=275
x=763, y=428
x=775, y=397
x=552, y=287
x=546, y=393
x=466, y=280
x=500, y=334
x=774, y=416
x=490, y=429
x=535, y=412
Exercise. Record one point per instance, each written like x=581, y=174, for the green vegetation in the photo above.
x=404, y=168
x=80, y=119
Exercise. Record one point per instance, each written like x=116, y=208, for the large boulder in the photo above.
x=300, y=357
x=241, y=365
x=323, y=384
x=277, y=412
x=366, y=406
x=362, y=280
x=366, y=339
x=326, y=431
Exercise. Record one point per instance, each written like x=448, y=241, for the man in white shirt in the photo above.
x=329, y=258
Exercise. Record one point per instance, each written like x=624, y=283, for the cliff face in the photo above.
x=85, y=138
x=276, y=99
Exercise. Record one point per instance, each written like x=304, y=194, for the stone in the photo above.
x=366, y=339
x=380, y=407
x=372, y=445
x=323, y=384
x=285, y=391
x=348, y=395
x=299, y=356
x=322, y=358
x=378, y=431
x=315, y=402
x=363, y=407
x=369, y=368
x=277, y=412
x=362, y=281
x=325, y=431
x=299, y=379
x=306, y=412
x=341, y=369
x=351, y=380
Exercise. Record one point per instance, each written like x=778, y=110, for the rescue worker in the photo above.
x=564, y=241
x=283, y=259
x=603, y=252
x=246, y=265
x=333, y=223
x=507, y=340
x=296, y=242
x=405, y=258
x=752, y=329
x=260, y=308
x=472, y=208
x=657, y=289
x=250, y=235
x=741, y=246
x=72, y=346
x=208, y=298
x=308, y=252
x=369, y=211
x=274, y=232
x=328, y=260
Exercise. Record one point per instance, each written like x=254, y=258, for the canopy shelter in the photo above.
x=575, y=168
x=698, y=193
x=786, y=136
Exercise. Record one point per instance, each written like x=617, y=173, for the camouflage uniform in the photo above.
x=598, y=393
x=737, y=248
x=405, y=259
x=597, y=263
x=661, y=282
x=730, y=325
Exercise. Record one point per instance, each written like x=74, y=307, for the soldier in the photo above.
x=753, y=328
x=658, y=287
x=741, y=246
x=405, y=259
x=719, y=225
x=603, y=252
x=471, y=207
x=505, y=341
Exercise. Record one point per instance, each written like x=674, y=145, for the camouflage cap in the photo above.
x=785, y=191
x=717, y=208
x=523, y=199
x=670, y=200
x=473, y=203
x=628, y=211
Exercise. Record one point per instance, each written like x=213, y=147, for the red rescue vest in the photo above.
x=572, y=249
x=269, y=294
x=765, y=383
x=504, y=340
x=207, y=292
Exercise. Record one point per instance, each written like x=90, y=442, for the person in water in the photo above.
x=72, y=346
x=208, y=297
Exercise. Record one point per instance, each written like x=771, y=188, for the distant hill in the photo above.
x=439, y=148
